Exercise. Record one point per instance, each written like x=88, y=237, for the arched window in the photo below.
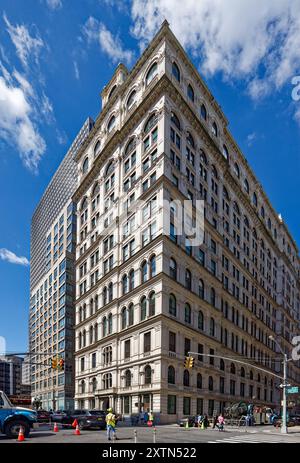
x=109, y=169
x=254, y=199
x=152, y=304
x=151, y=73
x=186, y=378
x=131, y=314
x=262, y=212
x=96, y=332
x=111, y=124
x=188, y=279
x=104, y=326
x=82, y=387
x=144, y=271
x=148, y=375
x=110, y=292
x=80, y=340
x=94, y=384
x=85, y=166
x=130, y=147
x=225, y=193
x=212, y=329
x=107, y=381
x=173, y=269
x=124, y=318
x=109, y=321
x=222, y=365
x=266, y=381
x=190, y=140
x=242, y=372
x=190, y=92
x=246, y=186
x=214, y=129
x=236, y=208
x=175, y=71
x=200, y=320
x=152, y=120
x=258, y=377
x=91, y=332
x=104, y=295
x=152, y=263
x=131, y=99
x=97, y=148
x=175, y=120
x=251, y=375
x=172, y=305
x=124, y=284
x=131, y=280
x=171, y=375
x=187, y=313
x=143, y=308
x=127, y=378
x=225, y=152
x=201, y=288
x=236, y=170
x=232, y=369
x=84, y=338
x=210, y=383
x=112, y=92
x=199, y=381
x=213, y=297
x=203, y=157
x=203, y=112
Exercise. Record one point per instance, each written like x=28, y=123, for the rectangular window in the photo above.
x=199, y=410
x=187, y=346
x=172, y=341
x=186, y=405
x=127, y=349
x=147, y=342
x=171, y=404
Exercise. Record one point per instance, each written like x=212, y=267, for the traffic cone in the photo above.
x=55, y=429
x=77, y=431
x=187, y=425
x=202, y=425
x=75, y=423
x=21, y=437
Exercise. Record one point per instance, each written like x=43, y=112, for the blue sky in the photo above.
x=55, y=58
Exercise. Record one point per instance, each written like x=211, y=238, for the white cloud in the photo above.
x=27, y=47
x=76, y=70
x=112, y=46
x=54, y=4
x=17, y=110
x=12, y=258
x=250, y=39
x=251, y=138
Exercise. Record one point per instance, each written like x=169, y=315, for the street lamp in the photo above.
x=284, y=385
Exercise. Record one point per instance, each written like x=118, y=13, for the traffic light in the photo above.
x=54, y=363
x=189, y=362
x=61, y=364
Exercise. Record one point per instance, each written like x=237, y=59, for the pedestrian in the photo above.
x=215, y=421
x=150, y=418
x=199, y=420
x=205, y=422
x=141, y=416
x=110, y=424
x=220, y=422
x=146, y=417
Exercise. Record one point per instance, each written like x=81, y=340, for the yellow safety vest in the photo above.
x=111, y=419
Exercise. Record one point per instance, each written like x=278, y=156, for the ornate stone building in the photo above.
x=145, y=299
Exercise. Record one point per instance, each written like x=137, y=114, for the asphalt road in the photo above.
x=164, y=434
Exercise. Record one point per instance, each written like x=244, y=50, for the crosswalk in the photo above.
x=251, y=438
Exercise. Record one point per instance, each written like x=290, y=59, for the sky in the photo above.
x=57, y=55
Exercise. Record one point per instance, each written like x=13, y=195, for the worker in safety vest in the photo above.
x=110, y=423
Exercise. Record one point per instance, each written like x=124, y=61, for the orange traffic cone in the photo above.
x=55, y=429
x=77, y=431
x=21, y=437
x=75, y=423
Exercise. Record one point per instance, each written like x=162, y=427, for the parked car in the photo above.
x=58, y=415
x=43, y=416
x=191, y=419
x=87, y=419
x=293, y=420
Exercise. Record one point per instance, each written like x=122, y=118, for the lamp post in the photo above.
x=284, y=386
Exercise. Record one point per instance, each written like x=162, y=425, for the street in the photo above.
x=164, y=434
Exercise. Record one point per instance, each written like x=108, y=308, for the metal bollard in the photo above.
x=154, y=435
x=135, y=436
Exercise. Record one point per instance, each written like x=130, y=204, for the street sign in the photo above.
x=292, y=390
